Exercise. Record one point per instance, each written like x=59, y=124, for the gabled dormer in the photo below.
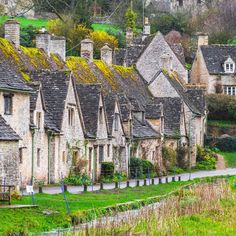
x=229, y=66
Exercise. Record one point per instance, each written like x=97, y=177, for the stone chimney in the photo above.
x=12, y=32
x=167, y=62
x=86, y=50
x=43, y=41
x=58, y=46
x=129, y=37
x=146, y=27
x=106, y=54
x=202, y=39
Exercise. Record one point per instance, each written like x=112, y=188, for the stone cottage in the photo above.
x=214, y=67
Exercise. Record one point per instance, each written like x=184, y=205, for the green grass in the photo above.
x=106, y=28
x=26, y=22
x=33, y=220
x=230, y=158
x=222, y=123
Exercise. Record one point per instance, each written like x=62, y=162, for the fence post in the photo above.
x=173, y=179
x=179, y=178
x=65, y=188
x=85, y=188
x=160, y=181
x=145, y=182
x=116, y=185
x=138, y=183
x=101, y=186
x=153, y=181
x=167, y=180
x=40, y=189
x=127, y=184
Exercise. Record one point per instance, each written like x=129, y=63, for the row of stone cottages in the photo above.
x=58, y=112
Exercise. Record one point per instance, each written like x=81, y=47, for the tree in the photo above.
x=130, y=19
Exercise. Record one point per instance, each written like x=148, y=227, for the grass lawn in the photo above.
x=106, y=28
x=26, y=22
x=230, y=158
x=222, y=123
x=34, y=220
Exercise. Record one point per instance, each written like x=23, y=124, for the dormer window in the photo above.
x=229, y=66
x=8, y=104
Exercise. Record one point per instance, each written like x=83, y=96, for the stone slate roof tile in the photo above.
x=125, y=107
x=6, y=132
x=10, y=79
x=216, y=55
x=89, y=95
x=54, y=88
x=153, y=110
x=143, y=130
x=171, y=112
x=34, y=95
x=110, y=101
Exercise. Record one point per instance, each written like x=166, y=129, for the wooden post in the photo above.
x=160, y=181
x=85, y=188
x=167, y=180
x=145, y=182
x=153, y=181
x=179, y=178
x=173, y=179
x=138, y=183
x=101, y=186
x=40, y=189
x=116, y=185
x=127, y=184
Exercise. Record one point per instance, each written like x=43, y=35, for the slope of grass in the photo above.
x=230, y=158
x=106, y=28
x=37, y=220
x=222, y=123
x=26, y=22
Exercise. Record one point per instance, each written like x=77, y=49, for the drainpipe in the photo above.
x=49, y=153
x=32, y=166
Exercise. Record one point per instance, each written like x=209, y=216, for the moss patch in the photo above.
x=125, y=72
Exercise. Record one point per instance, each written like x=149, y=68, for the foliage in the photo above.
x=206, y=159
x=27, y=36
x=221, y=107
x=79, y=180
x=219, y=38
x=222, y=123
x=130, y=19
x=169, y=158
x=107, y=169
x=148, y=168
x=182, y=158
x=225, y=144
x=230, y=158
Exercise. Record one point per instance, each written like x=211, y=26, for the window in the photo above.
x=71, y=116
x=90, y=158
x=38, y=120
x=181, y=3
x=21, y=155
x=7, y=104
x=100, y=115
x=38, y=157
x=101, y=154
x=116, y=121
x=108, y=149
x=230, y=90
x=64, y=157
x=229, y=65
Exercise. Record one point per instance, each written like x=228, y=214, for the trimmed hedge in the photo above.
x=227, y=144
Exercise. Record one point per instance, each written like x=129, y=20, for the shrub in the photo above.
x=226, y=144
x=221, y=107
x=136, y=167
x=148, y=168
x=206, y=159
x=77, y=179
x=169, y=158
x=107, y=169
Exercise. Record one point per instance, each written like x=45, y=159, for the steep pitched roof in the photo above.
x=10, y=80
x=125, y=107
x=171, y=112
x=143, y=130
x=55, y=89
x=6, y=132
x=216, y=55
x=89, y=96
x=110, y=101
x=153, y=110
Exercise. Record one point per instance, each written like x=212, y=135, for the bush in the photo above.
x=227, y=144
x=206, y=159
x=107, y=170
x=77, y=179
x=221, y=107
x=169, y=158
x=148, y=168
x=140, y=168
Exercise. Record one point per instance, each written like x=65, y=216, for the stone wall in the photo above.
x=9, y=162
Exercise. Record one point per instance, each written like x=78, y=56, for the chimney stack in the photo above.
x=43, y=41
x=12, y=32
x=129, y=37
x=202, y=39
x=58, y=46
x=166, y=62
x=106, y=54
x=86, y=50
x=146, y=27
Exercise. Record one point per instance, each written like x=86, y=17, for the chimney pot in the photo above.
x=12, y=32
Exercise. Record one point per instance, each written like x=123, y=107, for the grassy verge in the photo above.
x=106, y=28
x=52, y=212
x=230, y=158
x=26, y=22
x=222, y=123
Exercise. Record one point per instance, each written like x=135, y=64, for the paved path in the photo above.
x=184, y=177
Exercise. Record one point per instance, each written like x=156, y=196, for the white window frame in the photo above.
x=229, y=67
x=230, y=90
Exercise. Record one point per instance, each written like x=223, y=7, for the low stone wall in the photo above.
x=217, y=131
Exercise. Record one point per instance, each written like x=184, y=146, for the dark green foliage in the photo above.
x=27, y=36
x=169, y=158
x=206, y=159
x=107, y=169
x=227, y=144
x=221, y=107
x=120, y=37
x=219, y=38
x=148, y=168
